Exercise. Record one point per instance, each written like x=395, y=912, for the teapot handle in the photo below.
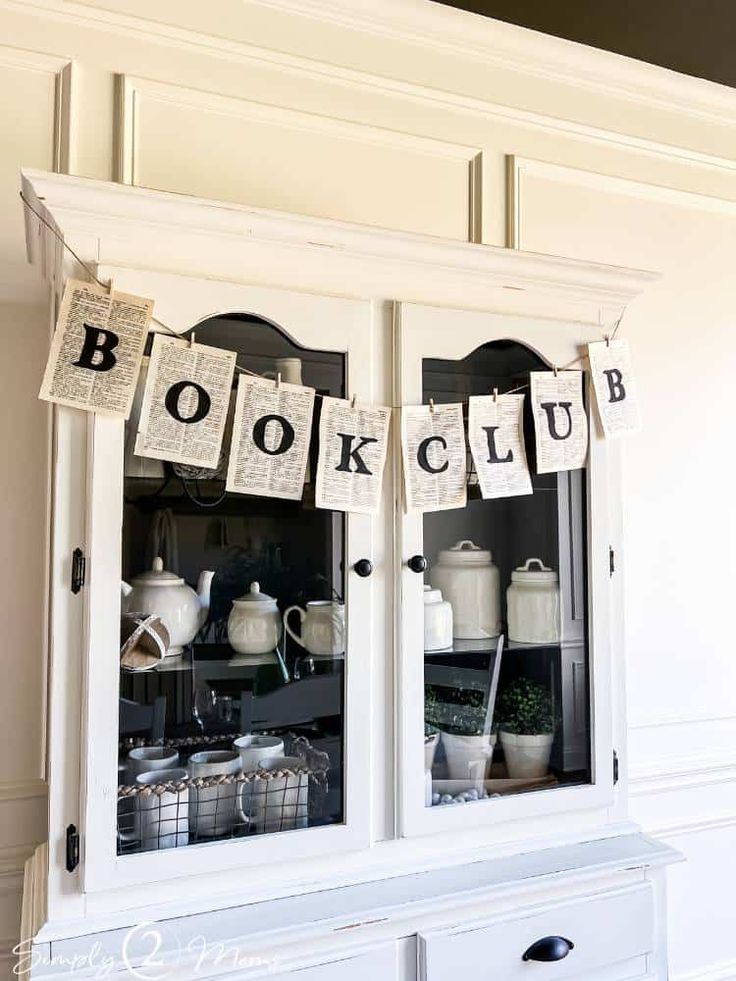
x=287, y=628
x=466, y=546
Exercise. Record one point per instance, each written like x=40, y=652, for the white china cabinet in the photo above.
x=376, y=805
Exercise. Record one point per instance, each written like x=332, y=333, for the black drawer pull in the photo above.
x=363, y=568
x=548, y=949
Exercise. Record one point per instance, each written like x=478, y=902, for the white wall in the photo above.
x=405, y=114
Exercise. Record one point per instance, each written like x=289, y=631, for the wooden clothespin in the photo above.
x=431, y=405
x=495, y=395
x=353, y=401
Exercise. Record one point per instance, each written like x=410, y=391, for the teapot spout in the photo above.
x=204, y=586
x=125, y=589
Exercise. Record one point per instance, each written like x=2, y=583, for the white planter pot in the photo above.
x=468, y=757
x=526, y=756
x=430, y=748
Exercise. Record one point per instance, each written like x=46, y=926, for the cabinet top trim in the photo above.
x=112, y=216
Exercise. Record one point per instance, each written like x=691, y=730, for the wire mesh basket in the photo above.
x=173, y=808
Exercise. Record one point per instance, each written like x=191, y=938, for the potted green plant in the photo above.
x=526, y=720
x=468, y=747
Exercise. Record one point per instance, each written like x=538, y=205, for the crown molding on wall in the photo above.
x=443, y=29
x=508, y=46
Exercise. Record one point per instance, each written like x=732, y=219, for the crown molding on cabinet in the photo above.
x=386, y=259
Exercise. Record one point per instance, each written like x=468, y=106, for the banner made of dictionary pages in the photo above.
x=185, y=402
x=434, y=457
x=614, y=386
x=96, y=350
x=560, y=420
x=496, y=437
x=353, y=445
x=271, y=434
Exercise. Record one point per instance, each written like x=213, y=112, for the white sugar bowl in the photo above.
x=254, y=624
x=470, y=582
x=437, y=621
x=533, y=604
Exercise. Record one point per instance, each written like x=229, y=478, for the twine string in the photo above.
x=246, y=371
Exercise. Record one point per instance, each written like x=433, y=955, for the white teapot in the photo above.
x=254, y=624
x=322, y=627
x=168, y=596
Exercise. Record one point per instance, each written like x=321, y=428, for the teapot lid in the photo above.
x=465, y=553
x=254, y=595
x=432, y=595
x=158, y=576
x=525, y=573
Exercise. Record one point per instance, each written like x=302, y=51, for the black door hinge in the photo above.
x=72, y=848
x=611, y=561
x=79, y=569
x=615, y=767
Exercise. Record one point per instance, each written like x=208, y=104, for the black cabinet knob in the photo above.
x=417, y=563
x=363, y=568
x=548, y=949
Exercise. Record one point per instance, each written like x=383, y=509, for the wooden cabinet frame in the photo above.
x=383, y=294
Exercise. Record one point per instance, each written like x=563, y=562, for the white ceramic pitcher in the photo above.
x=322, y=627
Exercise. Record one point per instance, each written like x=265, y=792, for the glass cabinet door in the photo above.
x=496, y=605
x=233, y=725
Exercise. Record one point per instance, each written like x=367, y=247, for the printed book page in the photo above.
x=96, y=349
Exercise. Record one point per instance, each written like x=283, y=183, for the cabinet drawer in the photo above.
x=608, y=930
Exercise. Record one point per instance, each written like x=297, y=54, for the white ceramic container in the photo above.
x=526, y=756
x=164, y=818
x=212, y=810
x=322, y=627
x=469, y=581
x=437, y=621
x=279, y=803
x=167, y=595
x=254, y=748
x=533, y=604
x=254, y=624
x=468, y=757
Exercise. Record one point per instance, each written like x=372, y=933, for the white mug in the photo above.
x=322, y=627
x=212, y=809
x=143, y=759
x=290, y=370
x=278, y=804
x=254, y=748
x=163, y=818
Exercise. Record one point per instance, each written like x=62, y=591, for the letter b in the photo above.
x=96, y=353
x=615, y=381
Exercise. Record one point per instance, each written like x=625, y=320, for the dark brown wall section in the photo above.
x=697, y=37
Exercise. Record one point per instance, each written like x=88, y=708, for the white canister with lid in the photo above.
x=470, y=582
x=437, y=621
x=254, y=624
x=533, y=604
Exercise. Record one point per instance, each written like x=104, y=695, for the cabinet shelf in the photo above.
x=489, y=647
